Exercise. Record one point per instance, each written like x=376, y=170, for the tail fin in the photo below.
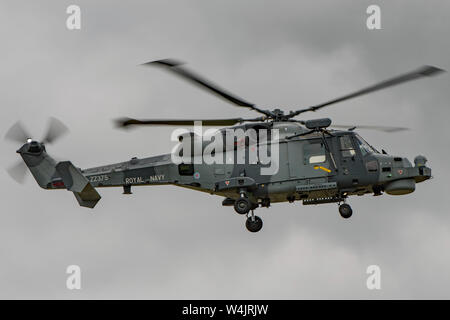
x=74, y=181
x=52, y=175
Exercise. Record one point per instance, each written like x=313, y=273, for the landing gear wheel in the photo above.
x=242, y=205
x=254, y=223
x=345, y=210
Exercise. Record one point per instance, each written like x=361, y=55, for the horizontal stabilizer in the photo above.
x=76, y=182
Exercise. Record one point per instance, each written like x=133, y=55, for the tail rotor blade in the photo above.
x=18, y=172
x=56, y=129
x=17, y=133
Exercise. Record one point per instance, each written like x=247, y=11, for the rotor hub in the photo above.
x=34, y=147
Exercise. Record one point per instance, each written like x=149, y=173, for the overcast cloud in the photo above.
x=166, y=242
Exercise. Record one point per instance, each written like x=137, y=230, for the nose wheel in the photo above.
x=253, y=223
x=345, y=210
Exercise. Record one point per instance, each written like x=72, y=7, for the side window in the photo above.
x=317, y=159
x=314, y=153
x=347, y=149
x=186, y=169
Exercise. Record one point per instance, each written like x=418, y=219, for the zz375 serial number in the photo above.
x=99, y=178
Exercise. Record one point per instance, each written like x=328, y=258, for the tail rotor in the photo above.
x=18, y=134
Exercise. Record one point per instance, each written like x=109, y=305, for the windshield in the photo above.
x=364, y=146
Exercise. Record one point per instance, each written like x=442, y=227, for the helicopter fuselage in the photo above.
x=314, y=168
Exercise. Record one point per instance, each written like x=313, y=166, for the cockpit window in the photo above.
x=347, y=149
x=364, y=146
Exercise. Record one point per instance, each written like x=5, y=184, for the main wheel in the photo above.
x=242, y=205
x=254, y=224
x=345, y=210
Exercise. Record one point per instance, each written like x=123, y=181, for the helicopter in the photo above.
x=317, y=162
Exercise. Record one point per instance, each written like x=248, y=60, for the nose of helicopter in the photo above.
x=398, y=176
x=422, y=171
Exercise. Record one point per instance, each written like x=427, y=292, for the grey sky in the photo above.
x=164, y=242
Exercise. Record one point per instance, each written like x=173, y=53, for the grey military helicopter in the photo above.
x=317, y=164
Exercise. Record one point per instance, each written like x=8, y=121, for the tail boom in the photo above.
x=50, y=174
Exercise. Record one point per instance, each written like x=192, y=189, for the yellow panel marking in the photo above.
x=322, y=168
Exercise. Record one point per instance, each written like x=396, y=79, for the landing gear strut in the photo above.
x=243, y=205
x=253, y=223
x=345, y=210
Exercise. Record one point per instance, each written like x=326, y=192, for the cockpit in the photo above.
x=347, y=146
x=365, y=147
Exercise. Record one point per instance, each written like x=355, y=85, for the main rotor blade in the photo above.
x=17, y=133
x=378, y=128
x=125, y=122
x=424, y=71
x=18, y=171
x=176, y=68
x=55, y=130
